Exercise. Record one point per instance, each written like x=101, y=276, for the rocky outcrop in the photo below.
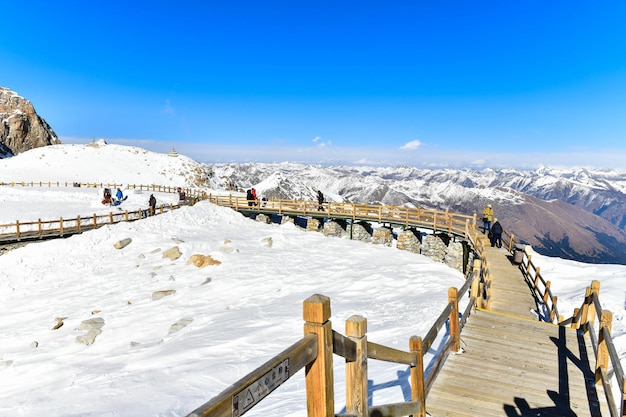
x=21, y=128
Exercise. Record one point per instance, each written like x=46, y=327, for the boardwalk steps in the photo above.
x=515, y=367
x=513, y=364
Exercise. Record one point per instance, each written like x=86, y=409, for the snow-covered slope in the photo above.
x=99, y=162
x=572, y=213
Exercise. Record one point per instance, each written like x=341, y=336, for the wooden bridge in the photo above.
x=509, y=353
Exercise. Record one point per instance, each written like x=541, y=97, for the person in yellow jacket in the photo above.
x=487, y=217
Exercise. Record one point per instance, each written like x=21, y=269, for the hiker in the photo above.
x=496, y=234
x=106, y=196
x=320, y=200
x=253, y=191
x=119, y=195
x=487, y=216
x=250, y=198
x=181, y=196
x=152, y=204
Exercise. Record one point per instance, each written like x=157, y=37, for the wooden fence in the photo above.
x=152, y=187
x=540, y=287
x=315, y=350
x=62, y=227
x=607, y=359
x=436, y=220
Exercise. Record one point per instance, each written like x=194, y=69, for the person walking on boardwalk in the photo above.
x=320, y=200
x=250, y=198
x=487, y=217
x=254, y=197
x=496, y=234
x=152, y=204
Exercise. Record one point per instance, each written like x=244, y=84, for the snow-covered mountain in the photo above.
x=570, y=213
x=106, y=163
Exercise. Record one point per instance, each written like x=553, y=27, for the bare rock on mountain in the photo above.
x=21, y=128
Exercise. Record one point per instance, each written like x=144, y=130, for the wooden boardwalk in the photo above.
x=515, y=365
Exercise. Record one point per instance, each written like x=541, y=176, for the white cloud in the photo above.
x=411, y=146
x=316, y=139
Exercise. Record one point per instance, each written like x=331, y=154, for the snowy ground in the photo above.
x=168, y=356
x=239, y=313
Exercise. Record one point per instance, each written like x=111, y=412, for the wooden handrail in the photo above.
x=284, y=365
x=603, y=345
x=436, y=220
x=40, y=229
x=355, y=348
x=540, y=287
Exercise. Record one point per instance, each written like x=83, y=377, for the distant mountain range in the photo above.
x=569, y=213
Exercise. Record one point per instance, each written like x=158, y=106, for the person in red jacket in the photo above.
x=253, y=191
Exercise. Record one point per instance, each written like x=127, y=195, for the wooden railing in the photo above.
x=436, y=220
x=153, y=187
x=315, y=353
x=604, y=349
x=41, y=229
x=546, y=300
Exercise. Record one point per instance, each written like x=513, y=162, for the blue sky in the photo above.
x=423, y=83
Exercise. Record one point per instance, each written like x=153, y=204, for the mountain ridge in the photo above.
x=569, y=213
x=575, y=213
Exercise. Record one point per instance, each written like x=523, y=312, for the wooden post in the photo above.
x=78, y=223
x=17, y=229
x=575, y=318
x=454, y=319
x=95, y=221
x=602, y=362
x=320, y=396
x=356, y=372
x=39, y=228
x=584, y=315
x=474, y=289
x=61, y=225
x=553, y=309
x=418, y=392
x=623, y=412
x=595, y=290
x=546, y=294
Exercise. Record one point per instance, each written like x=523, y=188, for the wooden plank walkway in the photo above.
x=514, y=365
